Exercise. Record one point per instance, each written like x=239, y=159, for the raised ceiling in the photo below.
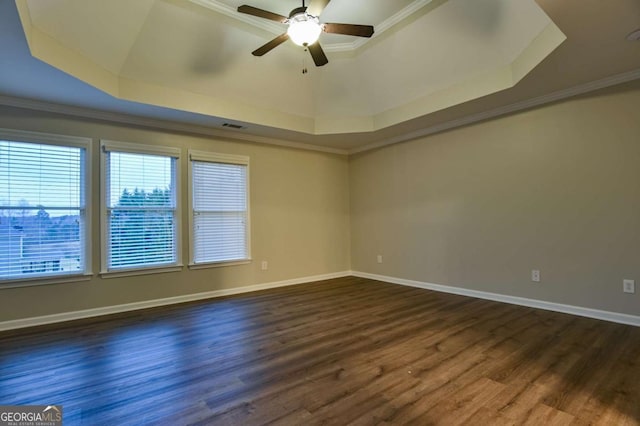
x=430, y=63
x=183, y=55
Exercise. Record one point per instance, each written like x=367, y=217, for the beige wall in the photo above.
x=555, y=189
x=299, y=221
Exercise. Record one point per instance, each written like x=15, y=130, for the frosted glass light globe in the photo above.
x=304, y=30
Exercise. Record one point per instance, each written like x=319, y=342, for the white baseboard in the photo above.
x=88, y=313
x=514, y=300
x=532, y=303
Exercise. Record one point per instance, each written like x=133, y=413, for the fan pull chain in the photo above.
x=304, y=62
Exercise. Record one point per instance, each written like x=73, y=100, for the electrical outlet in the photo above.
x=379, y=258
x=535, y=275
x=265, y=265
x=629, y=286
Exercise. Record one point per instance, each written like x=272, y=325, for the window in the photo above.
x=219, y=205
x=43, y=210
x=140, y=212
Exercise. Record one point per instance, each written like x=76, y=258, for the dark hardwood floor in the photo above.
x=344, y=351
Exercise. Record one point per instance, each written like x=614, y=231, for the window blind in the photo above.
x=42, y=210
x=141, y=210
x=220, y=211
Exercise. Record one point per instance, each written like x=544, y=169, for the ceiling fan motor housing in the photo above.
x=297, y=11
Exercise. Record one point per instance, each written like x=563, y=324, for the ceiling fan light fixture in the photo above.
x=304, y=29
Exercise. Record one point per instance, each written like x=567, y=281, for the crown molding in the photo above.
x=518, y=106
x=381, y=28
x=154, y=123
x=264, y=24
x=231, y=12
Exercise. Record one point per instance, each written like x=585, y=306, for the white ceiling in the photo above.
x=429, y=64
x=383, y=14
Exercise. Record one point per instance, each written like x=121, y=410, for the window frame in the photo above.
x=213, y=157
x=107, y=146
x=84, y=143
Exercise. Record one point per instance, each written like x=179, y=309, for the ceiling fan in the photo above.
x=305, y=28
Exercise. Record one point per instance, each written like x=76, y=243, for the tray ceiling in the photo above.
x=186, y=65
x=194, y=56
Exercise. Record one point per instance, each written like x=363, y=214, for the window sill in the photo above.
x=134, y=272
x=219, y=264
x=37, y=281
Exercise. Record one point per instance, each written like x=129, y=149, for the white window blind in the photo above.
x=220, y=208
x=42, y=210
x=141, y=210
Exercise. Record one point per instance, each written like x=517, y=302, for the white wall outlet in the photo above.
x=379, y=258
x=535, y=275
x=265, y=265
x=629, y=286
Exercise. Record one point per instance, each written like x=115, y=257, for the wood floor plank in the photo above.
x=344, y=351
x=544, y=415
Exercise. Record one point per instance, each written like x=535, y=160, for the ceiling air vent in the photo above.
x=233, y=126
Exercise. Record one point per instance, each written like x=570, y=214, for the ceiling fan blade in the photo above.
x=349, y=29
x=250, y=10
x=270, y=45
x=319, y=58
x=316, y=7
